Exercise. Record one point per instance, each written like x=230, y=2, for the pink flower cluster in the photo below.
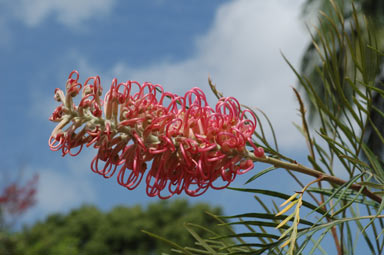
x=188, y=145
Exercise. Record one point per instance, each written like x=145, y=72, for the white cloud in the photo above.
x=241, y=52
x=57, y=192
x=69, y=12
x=60, y=192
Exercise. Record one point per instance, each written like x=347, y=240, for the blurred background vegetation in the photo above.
x=89, y=231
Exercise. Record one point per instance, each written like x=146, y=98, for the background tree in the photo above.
x=16, y=198
x=88, y=230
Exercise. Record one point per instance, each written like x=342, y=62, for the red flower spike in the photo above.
x=192, y=146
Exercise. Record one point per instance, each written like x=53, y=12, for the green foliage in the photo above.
x=351, y=51
x=8, y=243
x=339, y=80
x=88, y=230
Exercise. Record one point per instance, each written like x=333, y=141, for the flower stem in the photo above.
x=312, y=172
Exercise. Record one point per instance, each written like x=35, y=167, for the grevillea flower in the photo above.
x=188, y=145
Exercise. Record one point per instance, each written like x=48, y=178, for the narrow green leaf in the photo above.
x=343, y=189
x=286, y=232
x=280, y=195
x=346, y=196
x=360, y=226
x=167, y=241
x=199, y=251
x=218, y=218
x=248, y=235
x=265, y=216
x=377, y=214
x=353, y=200
x=355, y=161
x=267, y=170
x=372, y=185
x=321, y=237
x=254, y=223
x=199, y=239
x=378, y=170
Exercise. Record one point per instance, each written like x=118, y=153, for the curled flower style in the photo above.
x=176, y=144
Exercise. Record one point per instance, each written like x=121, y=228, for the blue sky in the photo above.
x=175, y=43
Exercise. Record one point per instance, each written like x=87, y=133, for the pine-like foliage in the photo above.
x=326, y=214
